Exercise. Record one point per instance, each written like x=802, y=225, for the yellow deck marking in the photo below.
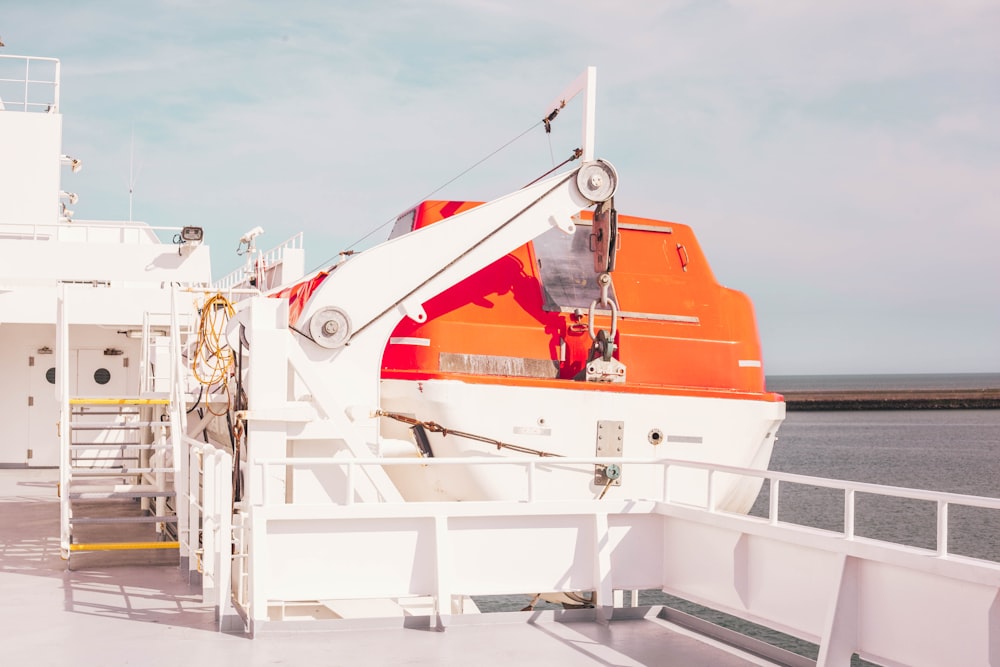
x=124, y=546
x=119, y=401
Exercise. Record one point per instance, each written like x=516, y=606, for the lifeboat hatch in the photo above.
x=610, y=441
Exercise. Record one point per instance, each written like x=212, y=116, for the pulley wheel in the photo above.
x=330, y=327
x=597, y=180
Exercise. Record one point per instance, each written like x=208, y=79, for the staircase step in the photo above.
x=79, y=521
x=111, y=467
x=113, y=426
x=94, y=494
x=107, y=458
x=116, y=472
x=118, y=445
x=123, y=546
x=109, y=464
x=120, y=491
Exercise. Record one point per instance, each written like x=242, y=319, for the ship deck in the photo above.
x=149, y=614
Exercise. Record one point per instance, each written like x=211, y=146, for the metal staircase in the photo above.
x=118, y=475
x=119, y=457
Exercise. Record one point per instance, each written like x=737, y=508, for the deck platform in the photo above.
x=149, y=614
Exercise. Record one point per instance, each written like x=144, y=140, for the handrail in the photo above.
x=265, y=259
x=45, y=231
x=865, y=487
x=207, y=476
x=292, y=243
x=942, y=499
x=33, y=101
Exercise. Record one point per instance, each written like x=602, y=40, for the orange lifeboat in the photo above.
x=526, y=317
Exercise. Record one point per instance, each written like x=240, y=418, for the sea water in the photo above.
x=956, y=451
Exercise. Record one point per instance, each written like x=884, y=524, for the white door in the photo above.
x=42, y=448
x=100, y=374
x=92, y=373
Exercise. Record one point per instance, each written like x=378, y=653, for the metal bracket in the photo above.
x=610, y=441
x=604, y=239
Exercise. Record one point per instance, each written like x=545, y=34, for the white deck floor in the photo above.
x=148, y=615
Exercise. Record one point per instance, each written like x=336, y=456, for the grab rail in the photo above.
x=205, y=529
x=86, y=231
x=943, y=500
x=264, y=261
x=33, y=100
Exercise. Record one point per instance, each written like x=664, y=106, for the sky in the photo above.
x=839, y=161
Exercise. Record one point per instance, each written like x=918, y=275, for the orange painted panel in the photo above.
x=499, y=313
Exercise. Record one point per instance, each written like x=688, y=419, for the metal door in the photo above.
x=42, y=447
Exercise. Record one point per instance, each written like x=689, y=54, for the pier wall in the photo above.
x=912, y=399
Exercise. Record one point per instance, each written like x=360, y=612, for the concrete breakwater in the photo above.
x=893, y=399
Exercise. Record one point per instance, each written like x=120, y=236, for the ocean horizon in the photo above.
x=886, y=381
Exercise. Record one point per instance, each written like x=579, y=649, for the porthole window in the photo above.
x=50, y=375
x=102, y=376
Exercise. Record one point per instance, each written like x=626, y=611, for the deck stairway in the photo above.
x=118, y=487
x=119, y=460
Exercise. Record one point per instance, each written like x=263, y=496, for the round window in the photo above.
x=50, y=375
x=102, y=376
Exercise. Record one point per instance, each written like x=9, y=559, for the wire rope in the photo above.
x=435, y=191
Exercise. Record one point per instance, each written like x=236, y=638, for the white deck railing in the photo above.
x=205, y=519
x=29, y=84
x=846, y=593
x=261, y=264
x=86, y=231
x=942, y=500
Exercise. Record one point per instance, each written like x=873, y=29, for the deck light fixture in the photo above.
x=192, y=234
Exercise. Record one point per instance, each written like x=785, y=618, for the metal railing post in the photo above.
x=849, y=505
x=666, y=482
x=224, y=549
x=710, y=491
x=772, y=513
x=942, y=528
x=531, y=480
x=27, y=78
x=209, y=528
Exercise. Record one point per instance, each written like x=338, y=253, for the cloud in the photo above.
x=838, y=161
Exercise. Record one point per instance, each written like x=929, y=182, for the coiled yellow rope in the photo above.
x=213, y=359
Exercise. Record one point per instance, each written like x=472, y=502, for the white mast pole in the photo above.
x=586, y=83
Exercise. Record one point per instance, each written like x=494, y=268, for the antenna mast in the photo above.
x=131, y=179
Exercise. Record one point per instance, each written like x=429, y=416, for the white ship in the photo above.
x=373, y=442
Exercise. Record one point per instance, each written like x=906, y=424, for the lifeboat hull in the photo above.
x=568, y=421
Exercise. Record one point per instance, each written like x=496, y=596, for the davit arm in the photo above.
x=395, y=278
x=344, y=328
